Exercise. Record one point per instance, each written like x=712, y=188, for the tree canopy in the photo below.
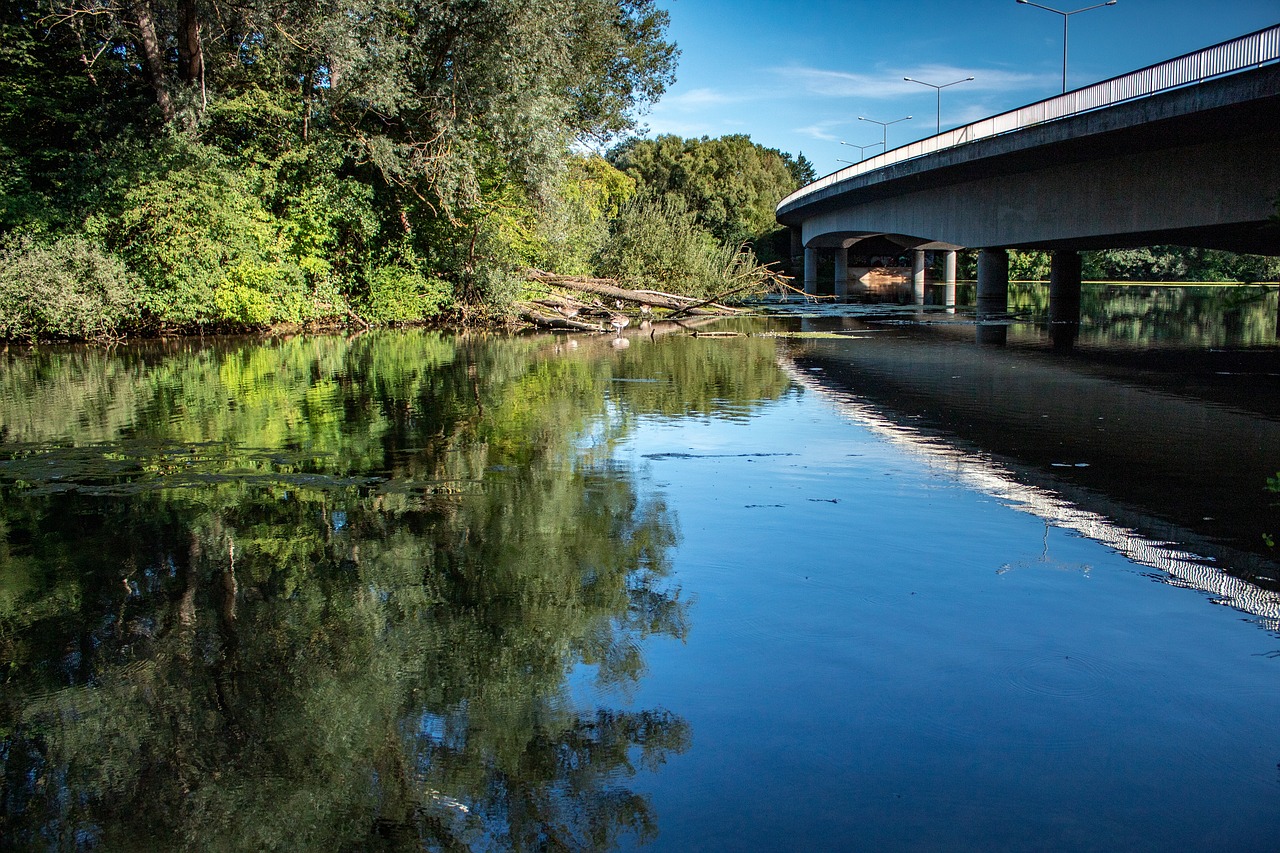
x=276, y=160
x=730, y=183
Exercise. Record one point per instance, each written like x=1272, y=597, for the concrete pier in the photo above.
x=1064, y=298
x=949, y=279
x=810, y=270
x=993, y=296
x=993, y=281
x=917, y=276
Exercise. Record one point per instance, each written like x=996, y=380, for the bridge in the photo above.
x=1184, y=152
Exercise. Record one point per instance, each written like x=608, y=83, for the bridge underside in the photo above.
x=875, y=243
x=1198, y=166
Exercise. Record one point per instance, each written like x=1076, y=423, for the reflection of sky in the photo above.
x=883, y=657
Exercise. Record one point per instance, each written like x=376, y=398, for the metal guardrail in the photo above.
x=1231, y=56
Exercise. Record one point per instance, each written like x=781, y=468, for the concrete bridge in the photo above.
x=1184, y=152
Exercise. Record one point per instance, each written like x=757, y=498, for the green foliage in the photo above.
x=1029, y=265
x=657, y=243
x=258, y=294
x=273, y=163
x=730, y=184
x=262, y=163
x=1152, y=263
x=575, y=225
x=1178, y=263
x=67, y=288
x=801, y=169
x=184, y=225
x=400, y=295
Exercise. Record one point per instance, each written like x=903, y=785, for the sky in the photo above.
x=796, y=74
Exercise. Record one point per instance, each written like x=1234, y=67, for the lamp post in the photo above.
x=938, y=129
x=1066, y=16
x=862, y=149
x=884, y=127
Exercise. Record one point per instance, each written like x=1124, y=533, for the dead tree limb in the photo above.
x=548, y=321
x=611, y=289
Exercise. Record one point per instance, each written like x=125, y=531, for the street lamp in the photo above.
x=862, y=149
x=884, y=127
x=850, y=162
x=938, y=129
x=1066, y=16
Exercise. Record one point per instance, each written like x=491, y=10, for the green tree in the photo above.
x=1178, y=263
x=267, y=162
x=730, y=184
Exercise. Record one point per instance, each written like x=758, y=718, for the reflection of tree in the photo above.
x=325, y=594
x=1238, y=315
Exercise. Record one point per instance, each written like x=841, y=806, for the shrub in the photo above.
x=69, y=288
x=657, y=243
x=398, y=294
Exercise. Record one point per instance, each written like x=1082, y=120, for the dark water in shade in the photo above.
x=846, y=581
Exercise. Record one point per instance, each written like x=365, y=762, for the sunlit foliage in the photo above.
x=266, y=163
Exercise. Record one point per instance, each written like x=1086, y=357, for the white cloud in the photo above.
x=823, y=130
x=695, y=100
x=889, y=83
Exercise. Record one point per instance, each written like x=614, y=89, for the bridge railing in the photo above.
x=1231, y=56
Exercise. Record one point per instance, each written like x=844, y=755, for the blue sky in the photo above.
x=796, y=75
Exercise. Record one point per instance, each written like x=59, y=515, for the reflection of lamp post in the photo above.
x=884, y=127
x=938, y=129
x=862, y=149
x=1065, y=17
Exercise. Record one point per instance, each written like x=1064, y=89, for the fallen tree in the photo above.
x=612, y=289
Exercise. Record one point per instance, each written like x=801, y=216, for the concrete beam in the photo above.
x=1195, y=166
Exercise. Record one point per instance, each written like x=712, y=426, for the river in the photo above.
x=835, y=577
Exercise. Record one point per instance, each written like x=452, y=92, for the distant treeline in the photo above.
x=1152, y=263
x=177, y=165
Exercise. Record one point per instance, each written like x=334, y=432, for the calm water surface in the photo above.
x=846, y=580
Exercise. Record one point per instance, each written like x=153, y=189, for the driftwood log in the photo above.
x=530, y=314
x=611, y=289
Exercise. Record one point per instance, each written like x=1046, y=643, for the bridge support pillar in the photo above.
x=1064, y=298
x=842, y=273
x=810, y=270
x=949, y=278
x=993, y=296
x=917, y=276
x=993, y=281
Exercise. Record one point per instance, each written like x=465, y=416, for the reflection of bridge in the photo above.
x=1185, y=152
x=1136, y=496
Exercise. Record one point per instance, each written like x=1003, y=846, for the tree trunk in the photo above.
x=152, y=56
x=190, y=52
